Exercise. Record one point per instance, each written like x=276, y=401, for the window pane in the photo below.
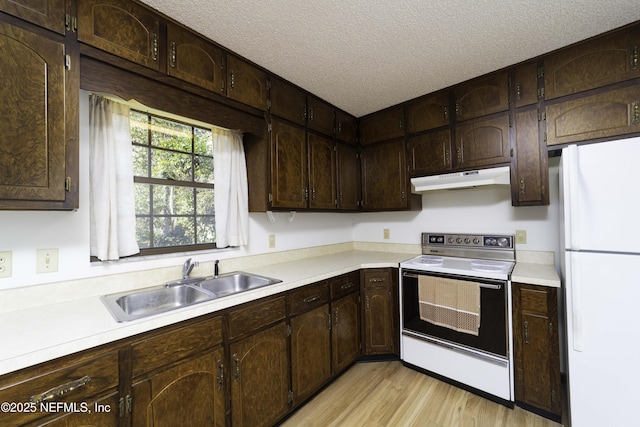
x=203, y=169
x=139, y=127
x=204, y=201
x=140, y=161
x=143, y=201
x=169, y=134
x=203, y=143
x=172, y=200
x=143, y=232
x=170, y=165
x=173, y=231
x=206, y=229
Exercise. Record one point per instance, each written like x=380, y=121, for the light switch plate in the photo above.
x=47, y=261
x=5, y=264
x=521, y=236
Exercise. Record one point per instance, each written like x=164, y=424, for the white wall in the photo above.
x=483, y=210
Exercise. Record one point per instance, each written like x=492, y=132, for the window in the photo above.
x=173, y=179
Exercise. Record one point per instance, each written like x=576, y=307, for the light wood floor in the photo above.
x=389, y=394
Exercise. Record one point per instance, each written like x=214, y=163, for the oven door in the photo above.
x=493, y=330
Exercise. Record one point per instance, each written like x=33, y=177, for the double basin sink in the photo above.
x=126, y=306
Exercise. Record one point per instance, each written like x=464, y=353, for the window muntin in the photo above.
x=174, y=188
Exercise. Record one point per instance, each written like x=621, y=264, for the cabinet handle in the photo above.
x=634, y=58
x=335, y=317
x=459, y=154
x=376, y=279
x=233, y=80
x=518, y=91
x=220, y=375
x=522, y=185
x=60, y=390
x=313, y=193
x=526, y=332
x=635, y=112
x=236, y=375
x=173, y=54
x=329, y=320
x=311, y=114
x=367, y=302
x=346, y=286
x=312, y=298
x=154, y=46
x=446, y=112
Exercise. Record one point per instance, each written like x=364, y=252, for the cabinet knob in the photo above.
x=526, y=332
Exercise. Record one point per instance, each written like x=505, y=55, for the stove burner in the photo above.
x=486, y=265
x=430, y=260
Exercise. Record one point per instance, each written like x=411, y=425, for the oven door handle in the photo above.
x=482, y=285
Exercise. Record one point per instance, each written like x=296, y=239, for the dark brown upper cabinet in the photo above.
x=322, y=172
x=287, y=101
x=348, y=162
x=607, y=114
x=289, y=172
x=428, y=112
x=346, y=127
x=529, y=165
x=595, y=63
x=429, y=153
x=49, y=14
x=246, y=83
x=320, y=116
x=39, y=126
x=483, y=142
x=194, y=59
x=525, y=84
x=121, y=27
x=483, y=96
x=382, y=126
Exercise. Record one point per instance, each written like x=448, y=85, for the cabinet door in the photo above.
x=322, y=172
x=288, y=102
x=526, y=84
x=530, y=181
x=34, y=144
x=483, y=96
x=537, y=361
x=321, y=116
x=384, y=176
x=483, y=142
x=611, y=113
x=188, y=393
x=382, y=126
x=121, y=27
x=346, y=127
x=246, y=83
x=429, y=153
x=379, y=319
x=288, y=166
x=45, y=13
x=348, y=177
x=345, y=331
x=194, y=60
x=260, y=378
x=592, y=64
x=428, y=112
x=310, y=352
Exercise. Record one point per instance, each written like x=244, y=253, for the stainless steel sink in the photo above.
x=234, y=283
x=128, y=306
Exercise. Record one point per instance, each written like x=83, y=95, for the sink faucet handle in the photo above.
x=216, y=269
x=187, y=267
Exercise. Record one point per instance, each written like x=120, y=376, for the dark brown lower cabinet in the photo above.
x=310, y=352
x=260, y=377
x=380, y=323
x=537, y=360
x=188, y=393
x=345, y=331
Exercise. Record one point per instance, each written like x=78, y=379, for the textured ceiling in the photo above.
x=365, y=55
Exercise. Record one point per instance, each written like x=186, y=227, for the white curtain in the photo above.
x=112, y=201
x=231, y=189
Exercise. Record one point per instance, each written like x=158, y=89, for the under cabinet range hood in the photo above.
x=458, y=180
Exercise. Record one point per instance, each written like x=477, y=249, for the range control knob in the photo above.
x=503, y=241
x=467, y=240
x=450, y=239
x=476, y=241
x=459, y=240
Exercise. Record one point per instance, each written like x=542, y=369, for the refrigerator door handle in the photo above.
x=576, y=303
x=573, y=198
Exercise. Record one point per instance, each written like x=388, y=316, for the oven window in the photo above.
x=492, y=334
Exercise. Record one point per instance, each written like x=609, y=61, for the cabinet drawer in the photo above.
x=344, y=285
x=159, y=350
x=256, y=315
x=534, y=300
x=377, y=277
x=308, y=297
x=74, y=379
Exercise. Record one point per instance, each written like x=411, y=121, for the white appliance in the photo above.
x=600, y=226
x=479, y=360
x=459, y=180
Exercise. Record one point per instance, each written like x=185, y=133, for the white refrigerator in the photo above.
x=600, y=230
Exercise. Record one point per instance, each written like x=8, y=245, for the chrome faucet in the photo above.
x=187, y=267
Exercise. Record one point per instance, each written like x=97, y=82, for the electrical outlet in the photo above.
x=47, y=261
x=272, y=240
x=521, y=236
x=385, y=233
x=5, y=264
